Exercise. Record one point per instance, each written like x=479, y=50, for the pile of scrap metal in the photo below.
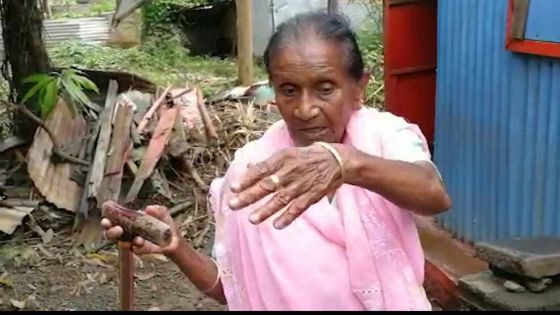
x=77, y=162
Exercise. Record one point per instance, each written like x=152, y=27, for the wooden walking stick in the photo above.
x=134, y=223
x=126, y=277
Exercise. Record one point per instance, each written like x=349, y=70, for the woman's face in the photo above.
x=314, y=92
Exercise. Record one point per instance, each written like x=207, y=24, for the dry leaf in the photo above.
x=55, y=289
x=29, y=253
x=92, y=277
x=45, y=251
x=32, y=287
x=101, y=257
x=96, y=262
x=34, y=226
x=81, y=288
x=47, y=236
x=6, y=282
x=154, y=309
x=33, y=301
x=18, y=304
x=72, y=263
x=145, y=276
x=138, y=262
x=103, y=278
x=76, y=253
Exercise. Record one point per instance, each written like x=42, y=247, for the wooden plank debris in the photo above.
x=208, y=125
x=178, y=149
x=142, y=125
x=121, y=144
x=101, y=151
x=171, y=126
x=156, y=146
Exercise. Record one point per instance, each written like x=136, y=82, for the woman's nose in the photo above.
x=307, y=108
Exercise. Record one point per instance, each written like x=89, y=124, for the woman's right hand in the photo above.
x=141, y=246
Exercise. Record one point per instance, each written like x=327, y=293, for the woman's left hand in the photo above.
x=298, y=178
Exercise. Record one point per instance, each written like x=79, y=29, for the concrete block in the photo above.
x=530, y=257
x=490, y=294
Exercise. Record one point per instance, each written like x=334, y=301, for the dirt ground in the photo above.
x=35, y=276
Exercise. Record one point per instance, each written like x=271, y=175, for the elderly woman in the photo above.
x=317, y=214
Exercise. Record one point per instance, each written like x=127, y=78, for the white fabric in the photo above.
x=408, y=147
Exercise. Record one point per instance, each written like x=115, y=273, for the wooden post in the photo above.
x=332, y=6
x=244, y=41
x=47, y=8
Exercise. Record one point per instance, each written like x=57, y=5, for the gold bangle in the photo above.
x=217, y=277
x=335, y=154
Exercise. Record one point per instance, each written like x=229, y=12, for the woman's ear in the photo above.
x=364, y=80
x=361, y=88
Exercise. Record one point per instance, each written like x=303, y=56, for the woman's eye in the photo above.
x=326, y=89
x=288, y=91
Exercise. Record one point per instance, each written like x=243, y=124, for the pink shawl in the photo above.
x=366, y=250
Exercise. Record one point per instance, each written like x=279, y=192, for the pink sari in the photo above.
x=364, y=254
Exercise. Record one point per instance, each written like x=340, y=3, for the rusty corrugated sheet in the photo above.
x=497, y=138
x=53, y=180
x=11, y=217
x=94, y=30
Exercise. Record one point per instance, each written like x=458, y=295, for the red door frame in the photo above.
x=410, y=40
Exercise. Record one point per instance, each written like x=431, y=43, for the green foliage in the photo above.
x=373, y=8
x=169, y=50
x=161, y=36
x=96, y=8
x=164, y=62
x=370, y=40
x=164, y=45
x=70, y=84
x=103, y=6
x=162, y=11
x=161, y=15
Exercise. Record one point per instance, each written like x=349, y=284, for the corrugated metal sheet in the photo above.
x=93, y=30
x=268, y=14
x=497, y=127
x=54, y=180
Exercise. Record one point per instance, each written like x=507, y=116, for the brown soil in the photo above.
x=35, y=276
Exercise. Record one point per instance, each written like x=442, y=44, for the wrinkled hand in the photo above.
x=304, y=176
x=139, y=245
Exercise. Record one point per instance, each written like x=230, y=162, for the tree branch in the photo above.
x=55, y=150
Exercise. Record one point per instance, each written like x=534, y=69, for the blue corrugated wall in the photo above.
x=497, y=138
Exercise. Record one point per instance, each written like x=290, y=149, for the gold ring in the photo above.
x=275, y=180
